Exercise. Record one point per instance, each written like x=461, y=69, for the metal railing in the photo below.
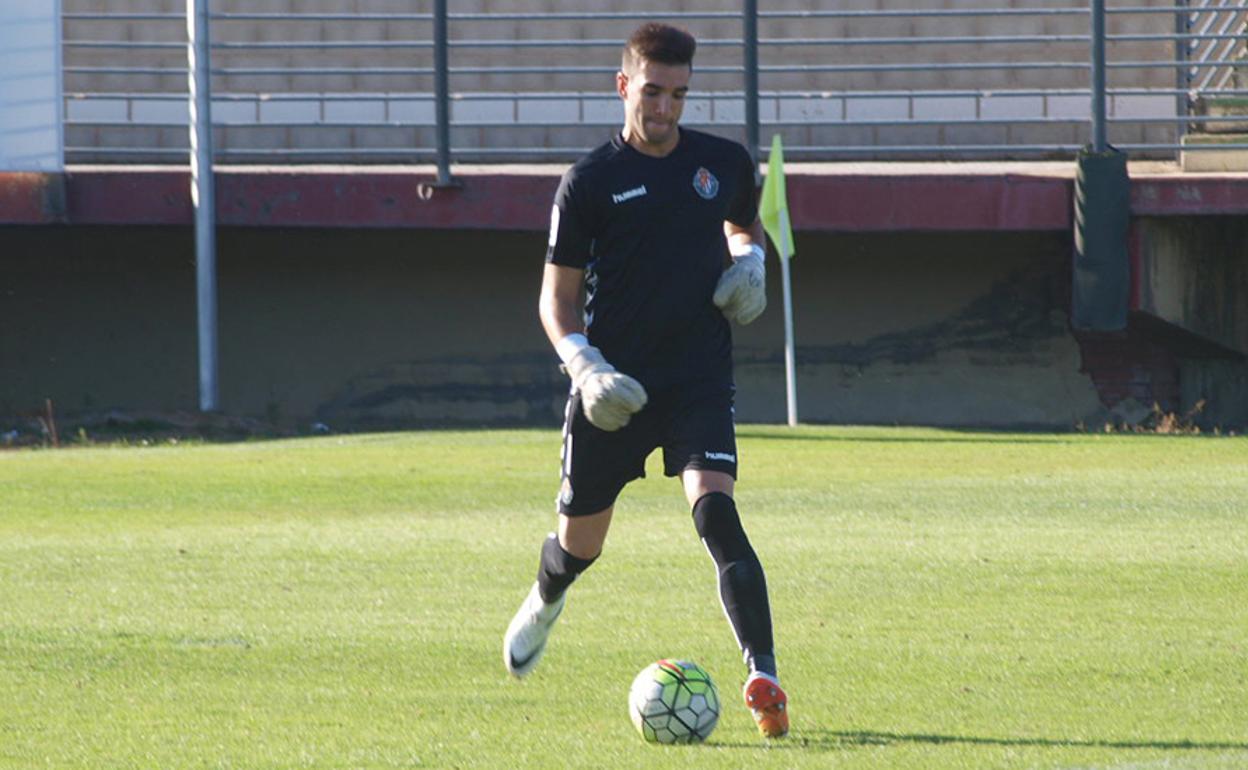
x=434, y=86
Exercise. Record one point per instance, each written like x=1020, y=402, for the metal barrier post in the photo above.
x=750, y=36
x=203, y=198
x=442, y=89
x=1099, y=139
x=1183, y=75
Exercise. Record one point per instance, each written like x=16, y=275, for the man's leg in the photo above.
x=568, y=554
x=743, y=591
x=564, y=556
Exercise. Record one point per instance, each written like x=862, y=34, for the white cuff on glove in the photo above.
x=741, y=293
x=609, y=398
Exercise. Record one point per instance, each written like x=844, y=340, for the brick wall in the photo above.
x=1130, y=365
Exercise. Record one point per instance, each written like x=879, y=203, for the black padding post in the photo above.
x=1102, y=275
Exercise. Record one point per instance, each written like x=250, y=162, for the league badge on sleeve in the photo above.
x=705, y=183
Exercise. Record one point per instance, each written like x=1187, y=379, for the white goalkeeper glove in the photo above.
x=741, y=293
x=609, y=398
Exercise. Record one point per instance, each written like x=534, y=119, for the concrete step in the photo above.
x=1233, y=155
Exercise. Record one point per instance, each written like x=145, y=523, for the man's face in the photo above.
x=654, y=96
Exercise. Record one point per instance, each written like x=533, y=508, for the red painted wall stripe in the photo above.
x=1182, y=194
x=31, y=198
x=831, y=202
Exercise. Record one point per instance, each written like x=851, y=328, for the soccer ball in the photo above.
x=674, y=701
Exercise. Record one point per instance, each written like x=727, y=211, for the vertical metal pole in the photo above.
x=203, y=198
x=790, y=345
x=442, y=90
x=1099, y=140
x=1183, y=77
x=750, y=21
x=60, y=86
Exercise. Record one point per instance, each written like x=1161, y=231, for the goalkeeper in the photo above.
x=658, y=228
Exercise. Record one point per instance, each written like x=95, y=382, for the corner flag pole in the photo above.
x=774, y=212
x=790, y=357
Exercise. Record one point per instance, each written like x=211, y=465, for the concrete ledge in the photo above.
x=381, y=108
x=1201, y=152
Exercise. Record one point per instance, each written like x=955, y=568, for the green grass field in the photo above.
x=942, y=600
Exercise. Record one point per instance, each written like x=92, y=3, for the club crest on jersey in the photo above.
x=705, y=183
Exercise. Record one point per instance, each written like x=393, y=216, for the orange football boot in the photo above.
x=769, y=705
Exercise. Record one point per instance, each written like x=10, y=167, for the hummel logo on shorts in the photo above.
x=730, y=458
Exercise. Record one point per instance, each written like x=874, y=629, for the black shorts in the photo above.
x=693, y=425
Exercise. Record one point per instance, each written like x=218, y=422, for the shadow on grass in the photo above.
x=986, y=437
x=834, y=740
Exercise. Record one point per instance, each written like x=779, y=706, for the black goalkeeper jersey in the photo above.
x=649, y=233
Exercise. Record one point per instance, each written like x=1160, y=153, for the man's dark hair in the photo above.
x=660, y=43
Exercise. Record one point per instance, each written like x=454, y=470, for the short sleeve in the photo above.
x=744, y=208
x=570, y=239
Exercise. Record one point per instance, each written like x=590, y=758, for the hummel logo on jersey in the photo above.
x=726, y=457
x=628, y=195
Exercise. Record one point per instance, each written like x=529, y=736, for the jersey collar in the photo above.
x=621, y=144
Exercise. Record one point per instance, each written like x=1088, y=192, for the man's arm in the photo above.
x=559, y=305
x=608, y=397
x=742, y=290
x=741, y=238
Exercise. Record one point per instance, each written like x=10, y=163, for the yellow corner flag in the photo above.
x=774, y=208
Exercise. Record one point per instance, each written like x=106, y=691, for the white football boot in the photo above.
x=525, y=640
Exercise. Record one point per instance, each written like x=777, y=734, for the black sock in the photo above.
x=742, y=584
x=763, y=664
x=558, y=569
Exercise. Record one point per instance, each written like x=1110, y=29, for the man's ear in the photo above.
x=621, y=84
